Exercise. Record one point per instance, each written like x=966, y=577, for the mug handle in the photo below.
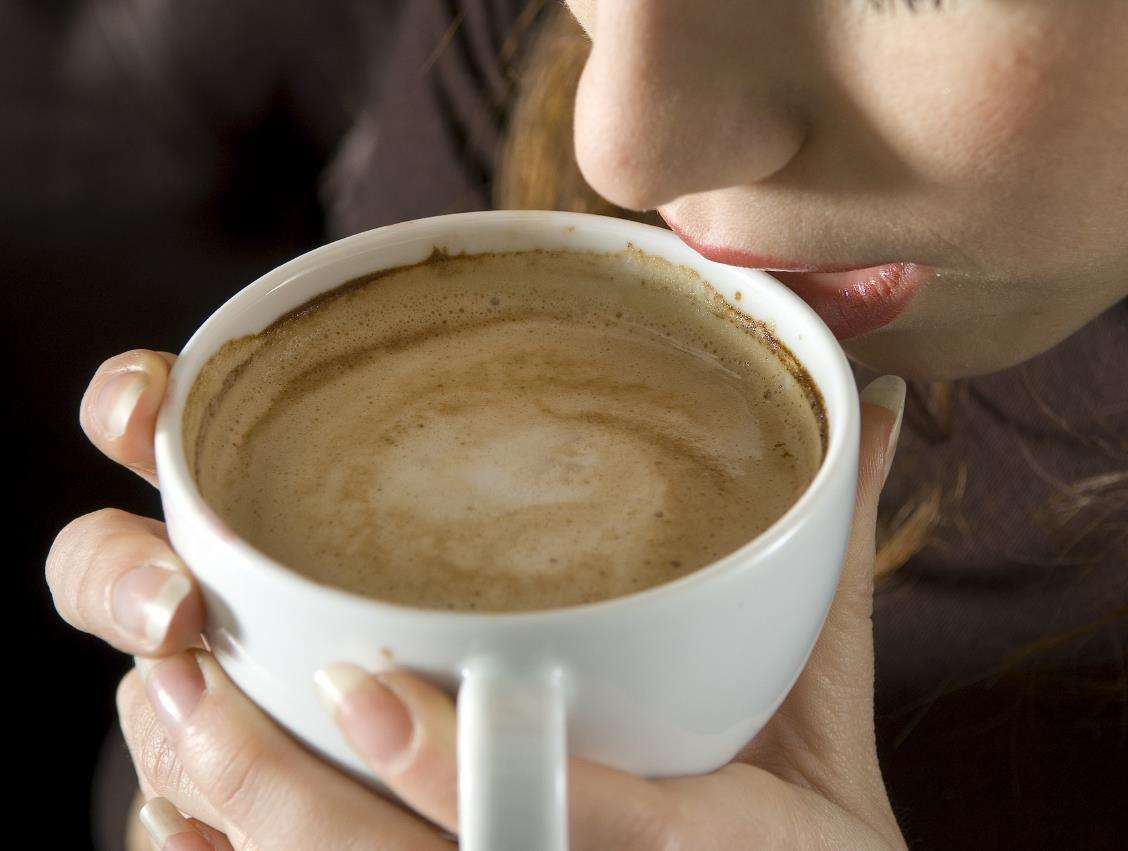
x=512, y=760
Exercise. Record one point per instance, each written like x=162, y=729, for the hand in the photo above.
x=810, y=778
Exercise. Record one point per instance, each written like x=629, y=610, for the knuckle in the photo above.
x=82, y=560
x=157, y=761
x=238, y=779
x=89, y=590
x=132, y=357
x=154, y=757
x=129, y=696
x=105, y=515
x=94, y=579
x=256, y=789
x=67, y=559
x=649, y=826
x=66, y=541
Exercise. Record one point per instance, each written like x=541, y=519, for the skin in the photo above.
x=985, y=141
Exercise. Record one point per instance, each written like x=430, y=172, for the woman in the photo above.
x=947, y=189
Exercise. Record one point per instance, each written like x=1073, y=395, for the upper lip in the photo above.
x=752, y=260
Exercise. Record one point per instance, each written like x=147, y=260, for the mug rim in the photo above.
x=175, y=479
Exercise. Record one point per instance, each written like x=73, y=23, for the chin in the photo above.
x=975, y=326
x=932, y=355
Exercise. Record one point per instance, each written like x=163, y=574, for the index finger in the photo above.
x=119, y=409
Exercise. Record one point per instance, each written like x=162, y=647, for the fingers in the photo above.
x=845, y=648
x=115, y=575
x=612, y=809
x=170, y=831
x=158, y=767
x=120, y=406
x=883, y=408
x=845, y=645
x=219, y=757
x=404, y=730
x=883, y=404
x=742, y=806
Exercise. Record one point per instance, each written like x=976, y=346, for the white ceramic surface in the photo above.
x=668, y=681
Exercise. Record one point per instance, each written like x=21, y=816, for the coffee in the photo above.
x=504, y=432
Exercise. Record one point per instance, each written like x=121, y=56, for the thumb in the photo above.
x=883, y=406
x=848, y=622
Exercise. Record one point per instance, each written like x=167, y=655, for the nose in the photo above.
x=678, y=98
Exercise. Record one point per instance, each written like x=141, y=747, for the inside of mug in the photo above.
x=746, y=299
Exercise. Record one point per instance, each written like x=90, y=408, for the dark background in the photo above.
x=113, y=236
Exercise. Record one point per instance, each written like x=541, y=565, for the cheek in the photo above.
x=998, y=112
x=979, y=109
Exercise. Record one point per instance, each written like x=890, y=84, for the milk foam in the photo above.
x=503, y=432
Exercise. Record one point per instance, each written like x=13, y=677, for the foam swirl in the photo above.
x=502, y=432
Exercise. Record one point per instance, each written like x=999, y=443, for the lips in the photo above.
x=851, y=301
x=858, y=301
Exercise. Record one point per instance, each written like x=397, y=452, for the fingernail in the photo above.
x=163, y=822
x=888, y=392
x=117, y=398
x=372, y=716
x=144, y=601
x=174, y=686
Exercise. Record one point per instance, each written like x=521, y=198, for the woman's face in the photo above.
x=947, y=186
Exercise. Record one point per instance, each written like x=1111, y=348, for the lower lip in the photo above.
x=851, y=302
x=859, y=301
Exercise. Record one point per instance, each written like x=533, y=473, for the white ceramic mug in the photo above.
x=671, y=680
